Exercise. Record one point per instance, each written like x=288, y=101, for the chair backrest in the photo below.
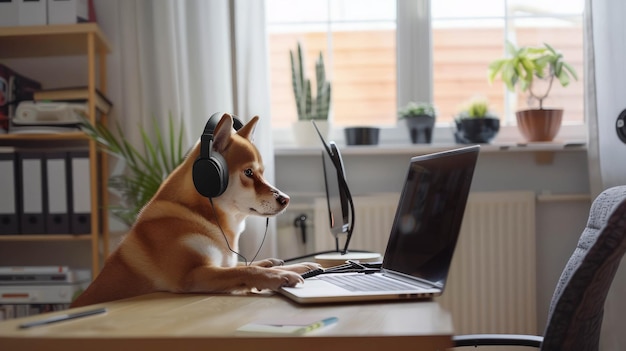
x=577, y=306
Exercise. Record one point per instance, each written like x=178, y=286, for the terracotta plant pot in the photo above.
x=539, y=124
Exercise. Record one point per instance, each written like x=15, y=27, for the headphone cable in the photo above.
x=267, y=221
x=245, y=260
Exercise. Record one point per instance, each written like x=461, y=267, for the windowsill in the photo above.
x=394, y=141
x=399, y=149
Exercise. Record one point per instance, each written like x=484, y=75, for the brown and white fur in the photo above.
x=176, y=244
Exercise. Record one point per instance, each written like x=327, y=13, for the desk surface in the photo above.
x=173, y=322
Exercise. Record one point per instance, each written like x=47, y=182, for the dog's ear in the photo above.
x=247, y=130
x=222, y=132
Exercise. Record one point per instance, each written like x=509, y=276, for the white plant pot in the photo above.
x=305, y=135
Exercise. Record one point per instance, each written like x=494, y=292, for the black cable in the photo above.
x=245, y=260
x=267, y=222
x=344, y=185
x=224, y=235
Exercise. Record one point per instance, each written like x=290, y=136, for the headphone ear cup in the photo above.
x=210, y=175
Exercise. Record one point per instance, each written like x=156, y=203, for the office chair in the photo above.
x=577, y=306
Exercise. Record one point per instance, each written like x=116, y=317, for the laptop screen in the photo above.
x=429, y=215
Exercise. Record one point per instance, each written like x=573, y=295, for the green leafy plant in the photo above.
x=310, y=107
x=145, y=170
x=527, y=64
x=414, y=109
x=477, y=108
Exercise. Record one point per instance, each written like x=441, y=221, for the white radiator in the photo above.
x=374, y=217
x=492, y=282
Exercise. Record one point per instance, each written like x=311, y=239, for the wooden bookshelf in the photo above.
x=86, y=40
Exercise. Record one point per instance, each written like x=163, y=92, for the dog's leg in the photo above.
x=300, y=267
x=280, y=264
x=268, y=262
x=208, y=279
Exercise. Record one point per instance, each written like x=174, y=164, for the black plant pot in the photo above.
x=362, y=135
x=476, y=130
x=420, y=128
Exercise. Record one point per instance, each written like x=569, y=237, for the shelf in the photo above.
x=46, y=237
x=45, y=136
x=50, y=40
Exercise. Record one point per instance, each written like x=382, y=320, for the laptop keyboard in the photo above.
x=365, y=282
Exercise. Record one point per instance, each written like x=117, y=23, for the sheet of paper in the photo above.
x=296, y=325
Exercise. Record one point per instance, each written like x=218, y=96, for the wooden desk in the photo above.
x=172, y=322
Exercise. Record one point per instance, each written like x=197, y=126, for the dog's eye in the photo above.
x=248, y=172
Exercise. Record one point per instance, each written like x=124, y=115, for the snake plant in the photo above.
x=310, y=107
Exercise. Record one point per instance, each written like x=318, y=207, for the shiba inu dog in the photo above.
x=184, y=242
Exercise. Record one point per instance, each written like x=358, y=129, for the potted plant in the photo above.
x=526, y=66
x=420, y=120
x=476, y=123
x=309, y=107
x=145, y=169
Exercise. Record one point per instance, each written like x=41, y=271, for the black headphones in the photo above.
x=210, y=172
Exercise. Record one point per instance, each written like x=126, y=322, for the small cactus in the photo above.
x=310, y=107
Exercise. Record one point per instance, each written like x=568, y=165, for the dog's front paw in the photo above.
x=276, y=279
x=301, y=267
x=269, y=262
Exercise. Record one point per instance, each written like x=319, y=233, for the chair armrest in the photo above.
x=497, y=339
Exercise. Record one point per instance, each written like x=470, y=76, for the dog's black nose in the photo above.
x=282, y=200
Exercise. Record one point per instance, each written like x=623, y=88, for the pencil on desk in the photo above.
x=286, y=326
x=316, y=325
x=62, y=318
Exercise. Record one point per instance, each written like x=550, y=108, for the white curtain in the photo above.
x=605, y=75
x=190, y=59
x=605, y=94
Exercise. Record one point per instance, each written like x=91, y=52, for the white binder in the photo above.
x=9, y=223
x=32, y=190
x=81, y=192
x=57, y=215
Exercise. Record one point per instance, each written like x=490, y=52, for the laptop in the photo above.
x=422, y=239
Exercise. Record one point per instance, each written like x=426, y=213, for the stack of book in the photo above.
x=73, y=94
x=56, y=110
x=25, y=107
x=30, y=290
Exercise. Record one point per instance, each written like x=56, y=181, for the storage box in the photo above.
x=68, y=11
x=23, y=13
x=32, y=12
x=9, y=11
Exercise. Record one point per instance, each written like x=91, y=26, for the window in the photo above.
x=380, y=54
x=357, y=40
x=467, y=36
